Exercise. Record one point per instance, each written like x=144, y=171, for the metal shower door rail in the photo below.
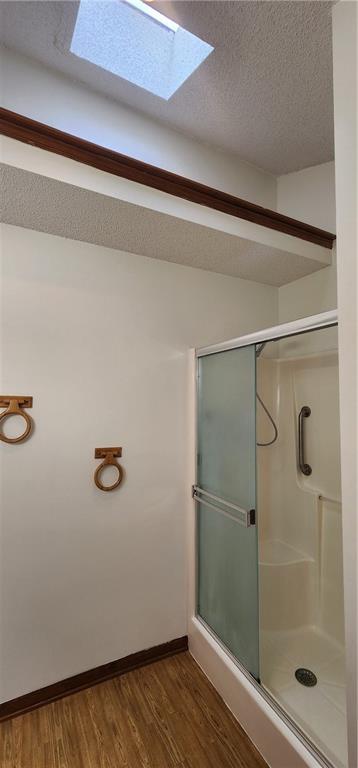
x=304, y=325
x=245, y=517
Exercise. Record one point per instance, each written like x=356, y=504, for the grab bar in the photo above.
x=330, y=501
x=305, y=468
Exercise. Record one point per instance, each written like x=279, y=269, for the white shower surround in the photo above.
x=275, y=737
x=300, y=538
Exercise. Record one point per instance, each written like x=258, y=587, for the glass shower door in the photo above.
x=227, y=547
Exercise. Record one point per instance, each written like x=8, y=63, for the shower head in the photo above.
x=260, y=348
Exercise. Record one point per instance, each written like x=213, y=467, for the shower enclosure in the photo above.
x=269, y=574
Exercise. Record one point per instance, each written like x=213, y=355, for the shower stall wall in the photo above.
x=269, y=571
x=300, y=538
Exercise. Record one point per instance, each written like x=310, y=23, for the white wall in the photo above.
x=52, y=98
x=100, y=338
x=309, y=195
x=309, y=295
x=345, y=44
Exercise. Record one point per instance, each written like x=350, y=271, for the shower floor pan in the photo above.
x=319, y=710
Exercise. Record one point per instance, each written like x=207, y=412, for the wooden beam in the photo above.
x=51, y=139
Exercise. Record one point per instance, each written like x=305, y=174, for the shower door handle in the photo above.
x=305, y=468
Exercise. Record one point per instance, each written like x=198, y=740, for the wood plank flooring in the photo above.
x=165, y=715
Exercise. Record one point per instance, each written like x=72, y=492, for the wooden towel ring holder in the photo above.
x=14, y=406
x=109, y=456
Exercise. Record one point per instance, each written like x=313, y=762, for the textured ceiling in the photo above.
x=265, y=93
x=47, y=205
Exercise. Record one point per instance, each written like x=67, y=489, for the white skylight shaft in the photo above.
x=136, y=43
x=153, y=14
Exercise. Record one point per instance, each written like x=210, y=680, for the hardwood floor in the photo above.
x=161, y=716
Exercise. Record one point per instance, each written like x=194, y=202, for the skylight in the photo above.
x=137, y=43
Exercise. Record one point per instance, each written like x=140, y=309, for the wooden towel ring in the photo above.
x=12, y=405
x=109, y=459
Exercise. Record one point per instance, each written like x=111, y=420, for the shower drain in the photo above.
x=306, y=677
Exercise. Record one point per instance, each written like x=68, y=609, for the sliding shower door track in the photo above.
x=295, y=729
x=293, y=328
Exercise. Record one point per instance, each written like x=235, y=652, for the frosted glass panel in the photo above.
x=227, y=574
x=226, y=425
x=226, y=468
